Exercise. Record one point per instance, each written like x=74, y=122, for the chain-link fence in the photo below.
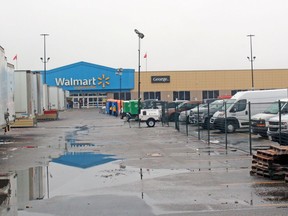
x=238, y=124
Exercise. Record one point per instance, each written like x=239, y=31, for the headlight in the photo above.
x=221, y=115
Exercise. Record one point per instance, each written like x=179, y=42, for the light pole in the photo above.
x=119, y=73
x=251, y=59
x=140, y=36
x=44, y=60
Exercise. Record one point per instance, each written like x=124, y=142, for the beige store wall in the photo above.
x=222, y=80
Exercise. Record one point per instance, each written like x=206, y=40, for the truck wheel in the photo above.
x=190, y=120
x=172, y=117
x=263, y=135
x=205, y=124
x=274, y=139
x=150, y=122
x=231, y=127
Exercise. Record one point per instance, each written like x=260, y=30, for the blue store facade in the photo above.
x=92, y=83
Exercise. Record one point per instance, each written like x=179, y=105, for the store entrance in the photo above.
x=88, y=100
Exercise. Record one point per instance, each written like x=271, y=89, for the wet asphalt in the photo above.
x=157, y=171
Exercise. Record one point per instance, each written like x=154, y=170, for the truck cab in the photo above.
x=259, y=122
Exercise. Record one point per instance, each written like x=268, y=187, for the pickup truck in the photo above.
x=150, y=116
x=259, y=122
x=277, y=134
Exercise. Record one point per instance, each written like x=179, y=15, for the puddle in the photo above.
x=67, y=180
x=272, y=192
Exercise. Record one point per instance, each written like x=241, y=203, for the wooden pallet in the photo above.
x=24, y=122
x=281, y=150
x=271, y=163
x=47, y=117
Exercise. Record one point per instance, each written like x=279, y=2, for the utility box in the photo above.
x=134, y=107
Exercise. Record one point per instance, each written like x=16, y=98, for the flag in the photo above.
x=15, y=57
x=145, y=56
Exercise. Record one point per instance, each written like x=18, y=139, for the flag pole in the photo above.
x=145, y=56
x=16, y=59
x=146, y=63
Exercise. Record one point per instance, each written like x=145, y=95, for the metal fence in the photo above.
x=242, y=125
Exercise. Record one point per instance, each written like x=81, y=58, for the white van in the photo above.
x=259, y=122
x=237, y=109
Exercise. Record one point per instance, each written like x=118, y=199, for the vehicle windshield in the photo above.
x=182, y=104
x=274, y=108
x=229, y=103
x=216, y=105
x=201, y=106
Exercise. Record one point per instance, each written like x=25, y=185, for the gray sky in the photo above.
x=179, y=34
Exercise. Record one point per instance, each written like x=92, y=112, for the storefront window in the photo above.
x=210, y=94
x=181, y=95
x=152, y=95
x=124, y=96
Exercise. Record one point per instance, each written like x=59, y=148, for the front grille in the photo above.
x=273, y=123
x=273, y=129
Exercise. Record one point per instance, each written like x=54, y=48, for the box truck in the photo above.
x=236, y=115
x=259, y=122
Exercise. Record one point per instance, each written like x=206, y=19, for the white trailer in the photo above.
x=10, y=92
x=4, y=115
x=57, y=98
x=40, y=95
x=45, y=97
x=237, y=111
x=3, y=88
x=53, y=92
x=62, y=99
x=25, y=96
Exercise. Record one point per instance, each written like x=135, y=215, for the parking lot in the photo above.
x=238, y=140
x=157, y=171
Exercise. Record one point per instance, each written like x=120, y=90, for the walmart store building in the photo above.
x=95, y=83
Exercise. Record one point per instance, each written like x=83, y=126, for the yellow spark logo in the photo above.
x=103, y=81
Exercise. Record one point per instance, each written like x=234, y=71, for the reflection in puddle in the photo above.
x=83, y=159
x=67, y=180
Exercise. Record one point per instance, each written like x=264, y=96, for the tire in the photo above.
x=150, y=122
x=172, y=117
x=206, y=123
x=264, y=135
x=190, y=120
x=231, y=127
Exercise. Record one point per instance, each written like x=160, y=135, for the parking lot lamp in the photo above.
x=251, y=59
x=44, y=60
x=119, y=73
x=140, y=36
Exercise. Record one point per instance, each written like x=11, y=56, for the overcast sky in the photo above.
x=179, y=34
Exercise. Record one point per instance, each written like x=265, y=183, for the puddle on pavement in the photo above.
x=272, y=192
x=66, y=180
